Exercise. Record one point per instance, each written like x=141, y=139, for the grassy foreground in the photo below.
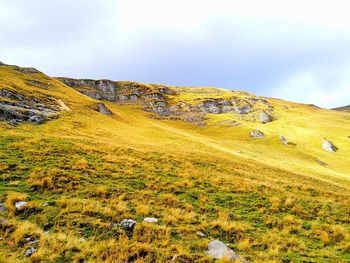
x=270, y=202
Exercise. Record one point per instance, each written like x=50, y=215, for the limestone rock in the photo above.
x=150, y=220
x=283, y=140
x=30, y=251
x=219, y=250
x=20, y=205
x=328, y=146
x=256, y=134
x=264, y=117
x=128, y=224
x=103, y=109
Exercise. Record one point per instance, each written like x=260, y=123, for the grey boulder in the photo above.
x=219, y=250
x=128, y=224
x=20, y=205
x=328, y=146
x=256, y=134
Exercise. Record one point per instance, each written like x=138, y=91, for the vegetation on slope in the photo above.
x=84, y=172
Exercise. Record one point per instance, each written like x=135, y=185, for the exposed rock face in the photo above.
x=328, y=146
x=283, y=140
x=158, y=99
x=103, y=109
x=256, y=134
x=16, y=108
x=219, y=250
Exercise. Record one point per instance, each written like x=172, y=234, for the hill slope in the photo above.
x=345, y=108
x=191, y=164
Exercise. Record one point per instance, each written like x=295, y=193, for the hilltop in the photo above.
x=78, y=157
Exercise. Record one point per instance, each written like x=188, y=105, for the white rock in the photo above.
x=150, y=220
x=328, y=146
x=20, y=205
x=283, y=140
x=219, y=250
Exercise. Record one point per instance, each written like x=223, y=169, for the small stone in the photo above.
x=20, y=205
x=283, y=140
x=86, y=174
x=81, y=240
x=128, y=224
x=200, y=234
x=174, y=258
x=256, y=134
x=33, y=242
x=2, y=207
x=328, y=146
x=46, y=204
x=150, y=220
x=30, y=251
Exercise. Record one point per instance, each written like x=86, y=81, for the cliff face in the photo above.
x=166, y=101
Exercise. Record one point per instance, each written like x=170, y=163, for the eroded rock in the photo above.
x=328, y=146
x=102, y=108
x=264, y=117
x=256, y=134
x=219, y=250
x=284, y=140
x=150, y=220
x=30, y=251
x=20, y=205
x=128, y=224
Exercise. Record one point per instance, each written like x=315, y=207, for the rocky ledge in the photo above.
x=16, y=107
x=161, y=100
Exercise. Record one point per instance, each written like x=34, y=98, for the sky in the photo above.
x=298, y=50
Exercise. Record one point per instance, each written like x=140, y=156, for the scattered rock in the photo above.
x=46, y=204
x=283, y=140
x=20, y=205
x=81, y=240
x=103, y=109
x=200, y=234
x=86, y=174
x=264, y=117
x=328, y=146
x=150, y=220
x=2, y=207
x=128, y=224
x=256, y=134
x=30, y=251
x=321, y=162
x=33, y=242
x=174, y=258
x=219, y=250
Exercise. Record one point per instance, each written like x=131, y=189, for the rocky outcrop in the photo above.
x=219, y=250
x=328, y=146
x=16, y=107
x=103, y=109
x=256, y=134
x=158, y=99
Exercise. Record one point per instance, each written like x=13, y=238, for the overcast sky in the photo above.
x=297, y=50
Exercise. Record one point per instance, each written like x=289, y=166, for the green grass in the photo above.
x=270, y=202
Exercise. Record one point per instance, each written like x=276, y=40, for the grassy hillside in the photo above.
x=84, y=172
x=345, y=108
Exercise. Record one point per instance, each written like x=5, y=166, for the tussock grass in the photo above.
x=270, y=202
